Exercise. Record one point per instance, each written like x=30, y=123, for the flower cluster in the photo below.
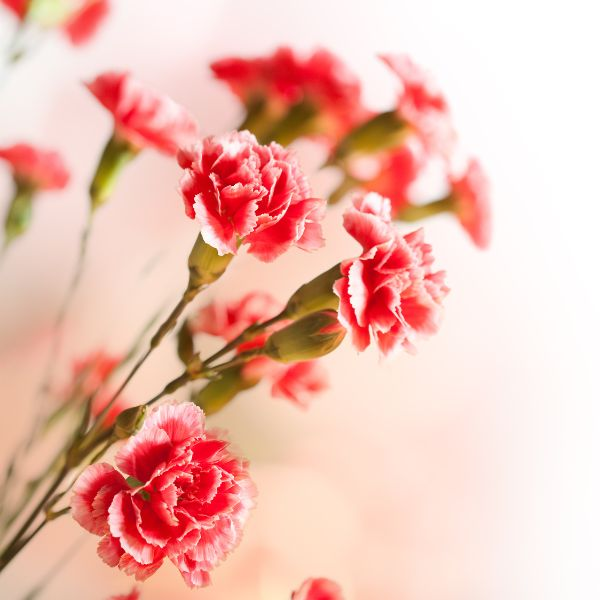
x=242, y=192
x=186, y=498
x=318, y=90
x=298, y=382
x=389, y=294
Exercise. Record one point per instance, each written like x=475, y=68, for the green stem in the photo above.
x=416, y=212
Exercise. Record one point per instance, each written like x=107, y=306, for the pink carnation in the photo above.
x=318, y=589
x=83, y=23
x=41, y=169
x=398, y=170
x=143, y=117
x=422, y=105
x=187, y=498
x=238, y=190
x=285, y=78
x=471, y=195
x=299, y=382
x=389, y=294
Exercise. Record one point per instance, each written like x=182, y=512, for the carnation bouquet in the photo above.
x=150, y=478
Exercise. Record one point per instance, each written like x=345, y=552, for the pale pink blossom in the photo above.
x=471, y=195
x=36, y=167
x=187, y=498
x=144, y=117
x=422, y=105
x=242, y=192
x=389, y=294
x=318, y=589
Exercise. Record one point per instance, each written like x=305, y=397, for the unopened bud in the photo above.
x=218, y=393
x=383, y=131
x=310, y=337
x=117, y=153
x=129, y=421
x=205, y=264
x=315, y=295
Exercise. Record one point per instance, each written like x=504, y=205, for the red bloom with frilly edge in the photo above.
x=318, y=589
x=389, y=294
x=422, y=105
x=143, y=117
x=471, y=196
x=187, y=498
x=41, y=169
x=241, y=191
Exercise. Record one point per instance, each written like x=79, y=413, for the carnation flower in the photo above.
x=389, y=294
x=17, y=7
x=134, y=594
x=83, y=23
x=321, y=82
x=471, y=201
x=186, y=498
x=240, y=191
x=398, y=170
x=318, y=589
x=143, y=117
x=35, y=167
x=422, y=105
x=299, y=382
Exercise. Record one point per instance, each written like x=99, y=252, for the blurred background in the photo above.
x=468, y=471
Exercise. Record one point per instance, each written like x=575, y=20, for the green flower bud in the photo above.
x=383, y=131
x=315, y=295
x=310, y=337
x=205, y=264
x=18, y=217
x=218, y=393
x=117, y=154
x=129, y=421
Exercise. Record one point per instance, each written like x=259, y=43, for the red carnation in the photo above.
x=389, y=294
x=35, y=167
x=240, y=191
x=187, y=498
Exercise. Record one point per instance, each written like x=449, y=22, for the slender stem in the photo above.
x=16, y=544
x=416, y=212
x=248, y=334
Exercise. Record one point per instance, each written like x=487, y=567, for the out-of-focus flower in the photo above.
x=389, y=294
x=144, y=117
x=398, y=169
x=77, y=19
x=242, y=192
x=325, y=94
x=318, y=589
x=134, y=594
x=187, y=498
x=82, y=24
x=35, y=167
x=422, y=105
x=299, y=382
x=471, y=202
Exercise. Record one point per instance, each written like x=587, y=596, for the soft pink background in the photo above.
x=467, y=472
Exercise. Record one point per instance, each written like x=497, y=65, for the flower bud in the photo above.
x=117, y=154
x=310, y=337
x=384, y=130
x=219, y=392
x=315, y=295
x=129, y=421
x=205, y=264
x=18, y=217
